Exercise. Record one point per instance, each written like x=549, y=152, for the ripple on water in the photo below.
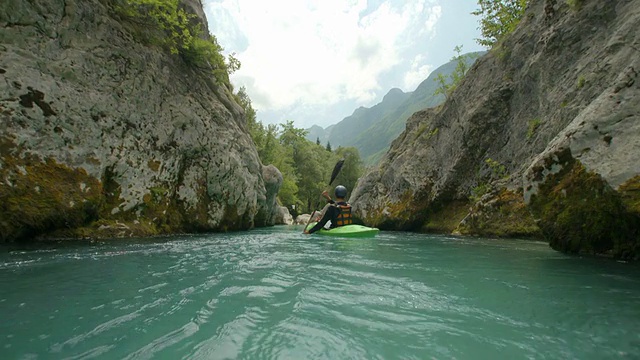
x=275, y=294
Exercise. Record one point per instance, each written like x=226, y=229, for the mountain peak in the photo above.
x=393, y=94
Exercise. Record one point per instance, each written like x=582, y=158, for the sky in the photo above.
x=316, y=61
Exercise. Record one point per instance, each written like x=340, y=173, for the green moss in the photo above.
x=630, y=192
x=39, y=196
x=154, y=165
x=409, y=213
x=479, y=191
x=109, y=229
x=580, y=213
x=533, y=126
x=581, y=81
x=504, y=215
x=575, y=5
x=111, y=191
x=446, y=218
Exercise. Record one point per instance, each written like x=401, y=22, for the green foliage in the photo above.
x=352, y=169
x=305, y=165
x=581, y=81
x=443, y=85
x=446, y=86
x=498, y=170
x=575, y=4
x=498, y=19
x=533, y=126
x=166, y=23
x=479, y=191
x=328, y=146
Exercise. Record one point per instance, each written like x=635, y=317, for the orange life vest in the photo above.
x=344, y=218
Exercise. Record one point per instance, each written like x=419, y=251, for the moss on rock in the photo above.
x=446, y=218
x=408, y=213
x=501, y=214
x=630, y=192
x=579, y=212
x=40, y=195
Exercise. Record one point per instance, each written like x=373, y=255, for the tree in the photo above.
x=305, y=166
x=352, y=168
x=499, y=18
x=446, y=86
x=250, y=114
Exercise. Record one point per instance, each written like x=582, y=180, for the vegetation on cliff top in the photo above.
x=498, y=19
x=168, y=24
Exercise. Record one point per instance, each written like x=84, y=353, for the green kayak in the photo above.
x=352, y=231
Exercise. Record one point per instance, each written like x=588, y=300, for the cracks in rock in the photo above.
x=17, y=24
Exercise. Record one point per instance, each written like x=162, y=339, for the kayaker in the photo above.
x=338, y=211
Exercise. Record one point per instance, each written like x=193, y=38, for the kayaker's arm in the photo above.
x=328, y=215
x=325, y=194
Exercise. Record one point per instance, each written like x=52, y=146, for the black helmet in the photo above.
x=341, y=191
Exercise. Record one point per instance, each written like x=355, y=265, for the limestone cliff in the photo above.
x=540, y=139
x=101, y=135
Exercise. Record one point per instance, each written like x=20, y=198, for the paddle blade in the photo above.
x=336, y=170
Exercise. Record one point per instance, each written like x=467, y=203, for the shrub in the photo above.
x=166, y=23
x=499, y=18
x=533, y=126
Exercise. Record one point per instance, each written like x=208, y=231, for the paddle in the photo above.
x=336, y=170
x=334, y=174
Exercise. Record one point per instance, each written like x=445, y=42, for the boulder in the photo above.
x=283, y=217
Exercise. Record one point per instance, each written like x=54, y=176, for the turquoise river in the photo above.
x=278, y=294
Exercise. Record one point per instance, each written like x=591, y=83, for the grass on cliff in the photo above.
x=168, y=24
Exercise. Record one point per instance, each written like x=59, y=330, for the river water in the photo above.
x=278, y=294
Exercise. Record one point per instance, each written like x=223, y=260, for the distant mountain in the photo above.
x=316, y=132
x=371, y=130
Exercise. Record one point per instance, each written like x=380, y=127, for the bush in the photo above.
x=499, y=18
x=533, y=126
x=166, y=23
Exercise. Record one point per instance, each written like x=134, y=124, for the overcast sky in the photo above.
x=316, y=61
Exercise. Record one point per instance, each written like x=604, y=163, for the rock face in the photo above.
x=103, y=136
x=547, y=122
x=283, y=217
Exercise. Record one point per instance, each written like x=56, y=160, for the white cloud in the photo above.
x=318, y=51
x=418, y=72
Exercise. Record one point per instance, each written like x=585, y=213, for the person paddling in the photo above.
x=338, y=211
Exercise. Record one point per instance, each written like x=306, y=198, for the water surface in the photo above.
x=278, y=294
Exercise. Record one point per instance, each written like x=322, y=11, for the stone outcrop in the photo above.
x=101, y=135
x=547, y=122
x=283, y=217
x=302, y=219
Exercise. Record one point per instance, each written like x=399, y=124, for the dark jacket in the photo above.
x=339, y=212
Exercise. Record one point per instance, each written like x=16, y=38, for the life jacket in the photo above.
x=344, y=217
